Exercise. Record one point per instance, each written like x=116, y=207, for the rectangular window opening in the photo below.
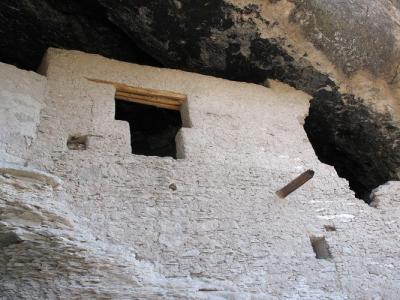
x=153, y=129
x=154, y=117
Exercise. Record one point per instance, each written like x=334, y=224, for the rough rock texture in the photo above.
x=248, y=40
x=387, y=195
x=355, y=35
x=214, y=37
x=29, y=27
x=102, y=223
x=363, y=146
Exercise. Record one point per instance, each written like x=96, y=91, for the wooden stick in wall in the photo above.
x=147, y=98
x=143, y=91
x=295, y=184
x=146, y=102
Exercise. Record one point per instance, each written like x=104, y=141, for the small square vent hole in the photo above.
x=77, y=142
x=320, y=247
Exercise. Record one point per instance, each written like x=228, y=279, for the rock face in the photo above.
x=99, y=222
x=355, y=35
x=363, y=146
x=28, y=28
x=247, y=40
x=213, y=37
x=240, y=40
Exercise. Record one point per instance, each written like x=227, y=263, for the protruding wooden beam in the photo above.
x=295, y=184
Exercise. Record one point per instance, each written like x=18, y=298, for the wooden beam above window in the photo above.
x=158, y=98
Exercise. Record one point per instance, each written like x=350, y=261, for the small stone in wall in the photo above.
x=173, y=187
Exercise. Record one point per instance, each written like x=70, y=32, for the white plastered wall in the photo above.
x=21, y=99
x=222, y=233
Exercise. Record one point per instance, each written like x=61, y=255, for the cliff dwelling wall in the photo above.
x=99, y=221
x=22, y=98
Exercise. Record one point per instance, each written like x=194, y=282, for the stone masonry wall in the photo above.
x=21, y=99
x=103, y=223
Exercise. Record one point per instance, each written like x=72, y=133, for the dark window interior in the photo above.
x=153, y=129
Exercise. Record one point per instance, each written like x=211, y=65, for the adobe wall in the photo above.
x=22, y=94
x=103, y=223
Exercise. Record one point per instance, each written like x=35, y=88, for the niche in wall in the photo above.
x=77, y=142
x=320, y=247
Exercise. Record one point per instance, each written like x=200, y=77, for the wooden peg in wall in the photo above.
x=295, y=184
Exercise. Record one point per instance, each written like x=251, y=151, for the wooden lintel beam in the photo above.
x=154, y=99
x=120, y=87
x=146, y=102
